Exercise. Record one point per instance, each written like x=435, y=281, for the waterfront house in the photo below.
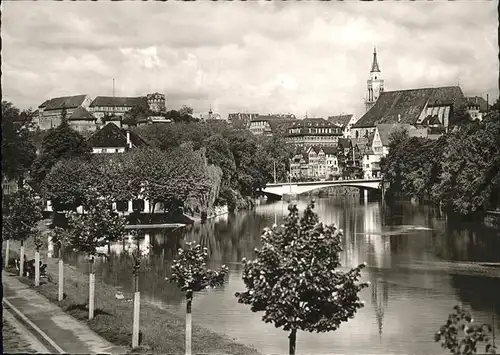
x=112, y=139
x=50, y=111
x=331, y=161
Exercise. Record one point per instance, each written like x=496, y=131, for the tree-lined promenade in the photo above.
x=294, y=280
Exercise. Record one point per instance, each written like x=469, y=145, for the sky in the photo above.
x=262, y=57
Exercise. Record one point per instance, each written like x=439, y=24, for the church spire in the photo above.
x=375, y=67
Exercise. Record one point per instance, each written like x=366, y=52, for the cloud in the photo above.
x=246, y=56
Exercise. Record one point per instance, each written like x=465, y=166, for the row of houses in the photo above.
x=432, y=111
x=350, y=157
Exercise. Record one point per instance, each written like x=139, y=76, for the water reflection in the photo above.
x=416, y=265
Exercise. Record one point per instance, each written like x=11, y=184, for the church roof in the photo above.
x=405, y=106
x=385, y=130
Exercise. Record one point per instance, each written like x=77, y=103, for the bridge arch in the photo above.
x=303, y=187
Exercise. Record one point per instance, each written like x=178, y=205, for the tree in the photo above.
x=172, y=177
x=60, y=238
x=18, y=150
x=186, y=110
x=136, y=114
x=460, y=321
x=190, y=274
x=137, y=266
x=295, y=280
x=59, y=143
x=92, y=230
x=66, y=185
x=22, y=213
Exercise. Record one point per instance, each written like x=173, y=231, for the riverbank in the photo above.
x=162, y=331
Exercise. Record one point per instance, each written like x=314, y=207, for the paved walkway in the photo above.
x=57, y=330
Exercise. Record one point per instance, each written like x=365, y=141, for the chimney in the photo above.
x=487, y=102
x=129, y=142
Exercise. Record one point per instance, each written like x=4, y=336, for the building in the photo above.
x=314, y=162
x=312, y=131
x=331, y=161
x=268, y=124
x=112, y=139
x=345, y=122
x=82, y=120
x=413, y=107
x=241, y=120
x=109, y=105
x=375, y=84
x=50, y=111
x=156, y=102
x=477, y=107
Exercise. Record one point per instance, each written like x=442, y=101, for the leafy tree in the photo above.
x=186, y=110
x=178, y=116
x=59, y=143
x=18, y=150
x=190, y=274
x=136, y=114
x=66, y=185
x=172, y=177
x=21, y=215
x=472, y=334
x=92, y=230
x=295, y=279
x=496, y=106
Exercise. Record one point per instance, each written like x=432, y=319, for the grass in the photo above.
x=162, y=331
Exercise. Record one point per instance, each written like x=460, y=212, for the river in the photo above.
x=419, y=267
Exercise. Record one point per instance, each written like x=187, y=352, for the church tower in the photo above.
x=375, y=83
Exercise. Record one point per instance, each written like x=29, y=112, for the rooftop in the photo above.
x=58, y=103
x=112, y=136
x=341, y=120
x=110, y=101
x=81, y=114
x=405, y=106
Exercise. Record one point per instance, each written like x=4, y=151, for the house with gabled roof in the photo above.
x=477, y=107
x=50, y=111
x=345, y=122
x=112, y=139
x=410, y=107
x=82, y=120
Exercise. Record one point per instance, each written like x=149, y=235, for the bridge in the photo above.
x=297, y=188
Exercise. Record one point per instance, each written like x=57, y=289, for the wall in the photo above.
x=108, y=150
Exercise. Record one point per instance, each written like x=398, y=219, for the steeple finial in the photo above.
x=375, y=67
